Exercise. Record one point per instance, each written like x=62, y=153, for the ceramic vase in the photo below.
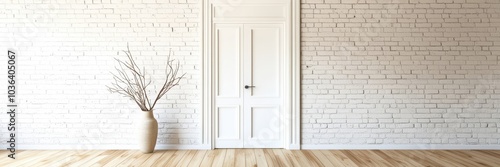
x=147, y=131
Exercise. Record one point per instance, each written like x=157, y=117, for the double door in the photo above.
x=248, y=80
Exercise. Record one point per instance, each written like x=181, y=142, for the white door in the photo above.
x=249, y=79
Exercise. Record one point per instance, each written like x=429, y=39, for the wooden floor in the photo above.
x=253, y=157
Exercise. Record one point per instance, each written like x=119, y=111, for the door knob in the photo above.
x=246, y=86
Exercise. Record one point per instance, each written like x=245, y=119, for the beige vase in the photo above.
x=147, y=131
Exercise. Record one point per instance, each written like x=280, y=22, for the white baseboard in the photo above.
x=110, y=147
x=75, y=147
x=294, y=147
x=182, y=147
x=400, y=147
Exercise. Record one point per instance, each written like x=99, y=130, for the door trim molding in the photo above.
x=291, y=122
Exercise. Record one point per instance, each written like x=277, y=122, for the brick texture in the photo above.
x=401, y=72
x=373, y=71
x=66, y=50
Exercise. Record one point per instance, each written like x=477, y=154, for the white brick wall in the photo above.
x=66, y=55
x=374, y=71
x=401, y=72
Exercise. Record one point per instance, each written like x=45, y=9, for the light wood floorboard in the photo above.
x=255, y=157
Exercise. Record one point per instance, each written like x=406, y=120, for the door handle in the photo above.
x=246, y=86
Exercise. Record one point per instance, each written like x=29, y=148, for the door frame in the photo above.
x=291, y=105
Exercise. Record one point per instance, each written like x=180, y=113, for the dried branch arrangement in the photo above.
x=132, y=81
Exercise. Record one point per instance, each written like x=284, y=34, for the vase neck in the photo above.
x=147, y=114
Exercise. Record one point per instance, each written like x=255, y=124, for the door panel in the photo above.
x=234, y=2
x=265, y=123
x=265, y=63
x=229, y=89
x=248, y=11
x=249, y=54
x=263, y=55
x=262, y=127
x=228, y=123
x=228, y=51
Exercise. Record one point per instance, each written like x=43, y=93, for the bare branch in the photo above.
x=131, y=81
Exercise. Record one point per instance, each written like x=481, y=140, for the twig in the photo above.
x=131, y=81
